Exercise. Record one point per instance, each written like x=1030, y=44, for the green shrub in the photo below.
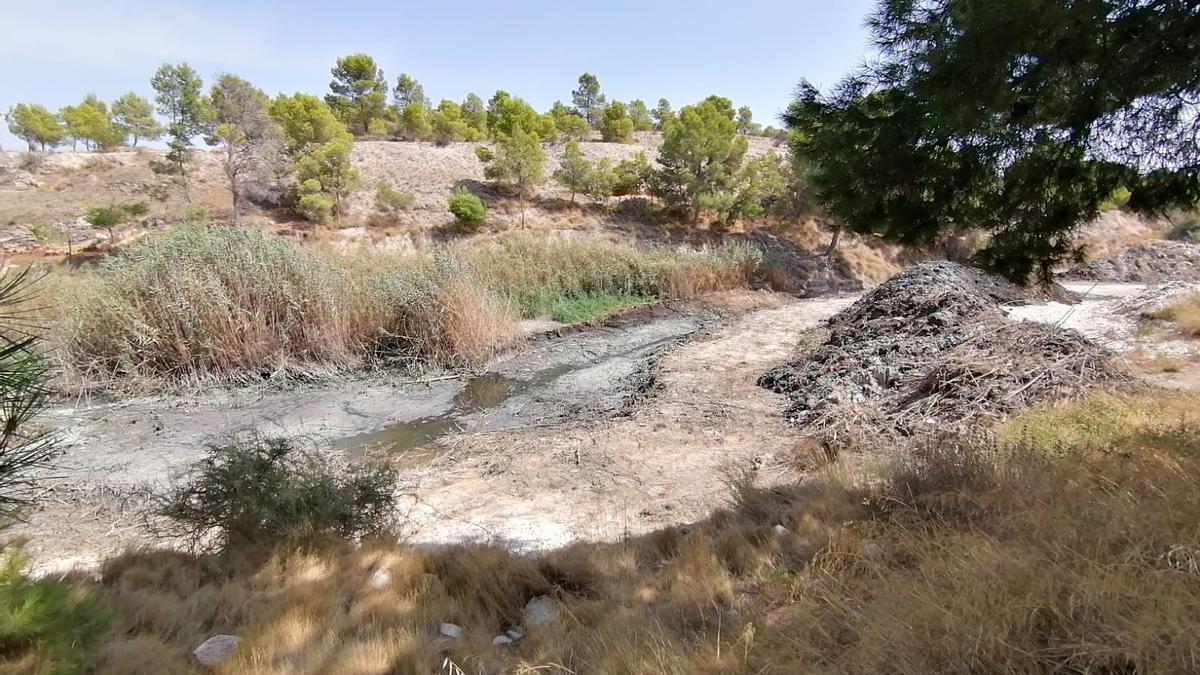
x=467, y=208
x=1117, y=200
x=389, y=199
x=631, y=175
x=264, y=491
x=316, y=207
x=47, y=626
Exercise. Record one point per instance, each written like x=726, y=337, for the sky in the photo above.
x=754, y=52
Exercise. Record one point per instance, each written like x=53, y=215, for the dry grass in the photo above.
x=868, y=263
x=1183, y=312
x=1004, y=559
x=228, y=303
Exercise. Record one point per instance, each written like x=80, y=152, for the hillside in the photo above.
x=43, y=196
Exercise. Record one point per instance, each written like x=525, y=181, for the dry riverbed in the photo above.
x=623, y=427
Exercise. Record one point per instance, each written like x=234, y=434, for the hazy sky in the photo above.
x=55, y=51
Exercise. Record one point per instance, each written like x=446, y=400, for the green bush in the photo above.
x=264, y=491
x=316, y=207
x=389, y=199
x=466, y=207
x=47, y=626
x=631, y=175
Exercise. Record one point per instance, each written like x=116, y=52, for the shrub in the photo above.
x=23, y=395
x=468, y=209
x=204, y=300
x=47, y=626
x=265, y=491
x=631, y=175
x=616, y=126
x=110, y=216
x=389, y=201
x=219, y=302
x=315, y=206
x=1117, y=200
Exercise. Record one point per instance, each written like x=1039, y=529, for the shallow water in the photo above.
x=408, y=442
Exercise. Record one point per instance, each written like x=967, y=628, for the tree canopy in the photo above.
x=1016, y=118
x=35, y=125
x=135, y=116
x=701, y=156
x=359, y=93
x=588, y=100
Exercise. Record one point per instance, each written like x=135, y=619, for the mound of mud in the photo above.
x=1152, y=262
x=931, y=351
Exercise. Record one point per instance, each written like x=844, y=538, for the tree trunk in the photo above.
x=833, y=243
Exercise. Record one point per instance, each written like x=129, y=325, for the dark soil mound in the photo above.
x=931, y=350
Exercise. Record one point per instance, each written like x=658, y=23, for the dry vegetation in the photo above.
x=1183, y=312
x=1068, y=547
x=215, y=302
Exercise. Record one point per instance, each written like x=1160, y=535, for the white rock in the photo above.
x=215, y=649
x=540, y=611
x=380, y=578
x=781, y=531
x=515, y=633
x=502, y=640
x=450, y=630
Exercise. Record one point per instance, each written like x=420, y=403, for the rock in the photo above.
x=450, y=630
x=781, y=531
x=502, y=640
x=215, y=649
x=380, y=578
x=540, y=611
x=515, y=633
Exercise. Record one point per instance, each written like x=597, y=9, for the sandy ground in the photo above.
x=597, y=433
x=1101, y=316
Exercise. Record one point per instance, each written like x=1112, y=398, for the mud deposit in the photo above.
x=589, y=373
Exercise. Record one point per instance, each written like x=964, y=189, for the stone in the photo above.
x=502, y=640
x=215, y=649
x=781, y=531
x=450, y=630
x=540, y=611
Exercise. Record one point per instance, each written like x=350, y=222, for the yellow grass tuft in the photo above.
x=1183, y=312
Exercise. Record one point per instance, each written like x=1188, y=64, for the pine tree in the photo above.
x=135, y=116
x=588, y=100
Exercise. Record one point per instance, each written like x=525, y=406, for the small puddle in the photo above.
x=408, y=444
